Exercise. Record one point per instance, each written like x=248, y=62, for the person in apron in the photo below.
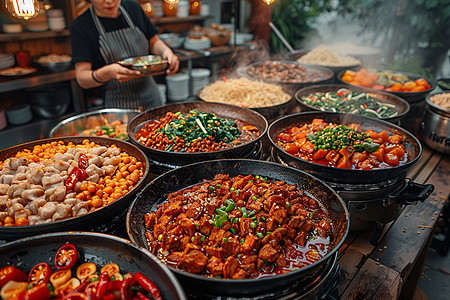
x=110, y=31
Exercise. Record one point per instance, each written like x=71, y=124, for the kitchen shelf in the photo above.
x=25, y=36
x=171, y=20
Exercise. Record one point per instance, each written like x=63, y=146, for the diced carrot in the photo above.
x=291, y=148
x=418, y=88
x=294, y=130
x=299, y=143
x=397, y=87
x=378, y=87
x=409, y=85
x=285, y=137
x=358, y=157
x=299, y=136
x=308, y=147
x=365, y=165
x=349, y=73
x=391, y=159
x=395, y=139
x=332, y=156
x=345, y=152
x=344, y=163
x=319, y=154
x=399, y=152
x=317, y=121
x=384, y=136
x=379, y=154
x=373, y=134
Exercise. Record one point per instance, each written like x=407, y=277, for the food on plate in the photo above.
x=195, y=132
x=444, y=85
x=146, y=61
x=76, y=281
x=322, y=55
x=285, y=72
x=244, y=92
x=53, y=58
x=245, y=226
x=442, y=100
x=57, y=180
x=16, y=71
x=386, y=80
x=341, y=146
x=116, y=129
x=349, y=101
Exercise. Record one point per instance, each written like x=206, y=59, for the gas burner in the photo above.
x=159, y=168
x=321, y=286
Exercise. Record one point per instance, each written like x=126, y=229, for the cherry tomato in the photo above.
x=40, y=273
x=37, y=292
x=66, y=257
x=83, y=161
x=11, y=273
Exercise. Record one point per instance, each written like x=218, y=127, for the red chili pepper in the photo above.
x=224, y=78
x=75, y=296
x=83, y=175
x=148, y=285
x=141, y=296
x=11, y=273
x=66, y=257
x=365, y=105
x=83, y=161
x=37, y=292
x=90, y=290
x=114, y=285
x=102, y=285
x=73, y=178
x=40, y=273
x=127, y=282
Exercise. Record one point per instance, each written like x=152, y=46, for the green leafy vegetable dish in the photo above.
x=348, y=101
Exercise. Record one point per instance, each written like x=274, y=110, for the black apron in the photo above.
x=140, y=93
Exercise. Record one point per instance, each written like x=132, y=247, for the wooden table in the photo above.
x=391, y=269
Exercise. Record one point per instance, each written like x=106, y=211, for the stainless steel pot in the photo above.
x=435, y=127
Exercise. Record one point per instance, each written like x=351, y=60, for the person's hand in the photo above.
x=173, y=61
x=116, y=71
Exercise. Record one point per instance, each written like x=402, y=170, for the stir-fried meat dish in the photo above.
x=239, y=227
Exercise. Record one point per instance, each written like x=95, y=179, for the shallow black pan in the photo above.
x=411, y=143
x=411, y=97
x=156, y=192
x=98, y=248
x=327, y=75
x=401, y=106
x=221, y=110
x=91, y=220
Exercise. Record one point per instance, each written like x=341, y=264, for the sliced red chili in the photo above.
x=73, y=178
x=147, y=285
x=66, y=257
x=37, y=292
x=83, y=175
x=40, y=273
x=11, y=273
x=102, y=286
x=127, y=282
x=83, y=161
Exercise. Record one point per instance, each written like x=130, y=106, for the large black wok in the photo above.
x=91, y=220
x=412, y=147
x=156, y=192
x=221, y=110
x=401, y=106
x=98, y=248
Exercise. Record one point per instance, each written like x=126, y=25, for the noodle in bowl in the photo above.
x=245, y=92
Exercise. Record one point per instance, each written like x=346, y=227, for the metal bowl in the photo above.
x=55, y=66
x=75, y=125
x=173, y=40
x=146, y=64
x=157, y=191
x=444, y=83
x=90, y=220
x=183, y=158
x=401, y=106
x=98, y=248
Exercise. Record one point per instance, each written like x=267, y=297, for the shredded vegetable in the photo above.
x=348, y=101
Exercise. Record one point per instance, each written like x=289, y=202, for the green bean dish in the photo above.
x=348, y=101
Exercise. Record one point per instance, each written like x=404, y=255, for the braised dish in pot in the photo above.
x=195, y=131
x=239, y=227
x=57, y=180
x=344, y=147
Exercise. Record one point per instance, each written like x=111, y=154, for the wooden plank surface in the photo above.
x=379, y=272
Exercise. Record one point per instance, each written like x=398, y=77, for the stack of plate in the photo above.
x=197, y=44
x=177, y=87
x=199, y=79
x=51, y=101
x=6, y=61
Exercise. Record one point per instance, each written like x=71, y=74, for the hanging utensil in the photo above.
x=281, y=37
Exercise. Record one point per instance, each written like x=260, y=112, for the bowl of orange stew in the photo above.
x=80, y=265
x=68, y=183
x=411, y=87
x=239, y=227
x=344, y=147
